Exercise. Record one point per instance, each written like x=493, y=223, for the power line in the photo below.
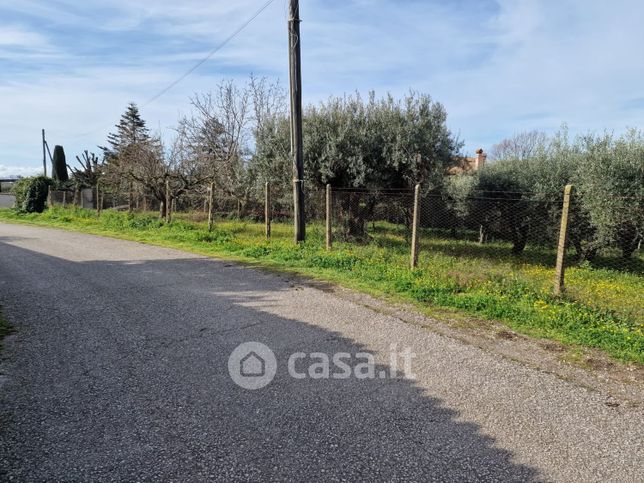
x=194, y=67
x=212, y=52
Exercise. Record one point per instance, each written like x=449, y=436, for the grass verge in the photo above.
x=602, y=309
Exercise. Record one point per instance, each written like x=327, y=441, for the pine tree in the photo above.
x=130, y=131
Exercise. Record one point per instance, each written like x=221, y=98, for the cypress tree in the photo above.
x=59, y=165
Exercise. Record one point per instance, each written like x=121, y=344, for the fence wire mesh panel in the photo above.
x=381, y=217
x=507, y=242
x=608, y=233
x=504, y=243
x=69, y=198
x=499, y=224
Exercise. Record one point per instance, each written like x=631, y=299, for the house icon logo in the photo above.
x=252, y=365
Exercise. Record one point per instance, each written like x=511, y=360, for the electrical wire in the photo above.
x=212, y=52
x=194, y=67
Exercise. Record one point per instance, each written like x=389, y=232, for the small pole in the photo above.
x=49, y=199
x=414, y=232
x=329, y=206
x=211, y=200
x=49, y=152
x=64, y=199
x=168, y=202
x=563, y=242
x=44, y=154
x=267, y=209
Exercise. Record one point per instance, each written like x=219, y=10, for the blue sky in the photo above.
x=498, y=66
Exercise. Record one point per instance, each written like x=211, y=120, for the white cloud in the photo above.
x=498, y=68
x=16, y=35
x=13, y=171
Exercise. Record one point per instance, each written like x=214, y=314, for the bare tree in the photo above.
x=89, y=171
x=217, y=134
x=523, y=145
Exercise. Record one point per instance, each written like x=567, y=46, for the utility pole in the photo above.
x=44, y=154
x=295, y=75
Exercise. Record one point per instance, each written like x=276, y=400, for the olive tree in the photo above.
x=372, y=143
x=610, y=183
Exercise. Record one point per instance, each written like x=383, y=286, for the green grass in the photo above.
x=602, y=307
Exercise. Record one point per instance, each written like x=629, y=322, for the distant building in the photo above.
x=467, y=165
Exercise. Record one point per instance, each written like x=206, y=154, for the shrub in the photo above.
x=31, y=194
x=611, y=188
x=519, y=199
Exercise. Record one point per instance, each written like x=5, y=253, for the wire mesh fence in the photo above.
x=379, y=216
x=487, y=238
x=491, y=225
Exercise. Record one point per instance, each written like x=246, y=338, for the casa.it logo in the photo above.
x=252, y=365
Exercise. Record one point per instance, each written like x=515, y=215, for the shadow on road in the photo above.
x=119, y=371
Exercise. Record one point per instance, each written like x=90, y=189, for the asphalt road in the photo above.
x=119, y=371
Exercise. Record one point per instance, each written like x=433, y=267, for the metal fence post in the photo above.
x=329, y=214
x=563, y=242
x=267, y=208
x=211, y=198
x=414, y=231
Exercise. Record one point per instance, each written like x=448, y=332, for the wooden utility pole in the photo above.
x=44, y=153
x=563, y=242
x=414, y=229
x=295, y=76
x=329, y=215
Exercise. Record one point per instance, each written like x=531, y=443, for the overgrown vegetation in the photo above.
x=31, y=193
x=513, y=196
x=603, y=308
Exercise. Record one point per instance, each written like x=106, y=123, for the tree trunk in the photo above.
x=354, y=217
x=483, y=234
x=519, y=239
x=628, y=241
x=583, y=252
